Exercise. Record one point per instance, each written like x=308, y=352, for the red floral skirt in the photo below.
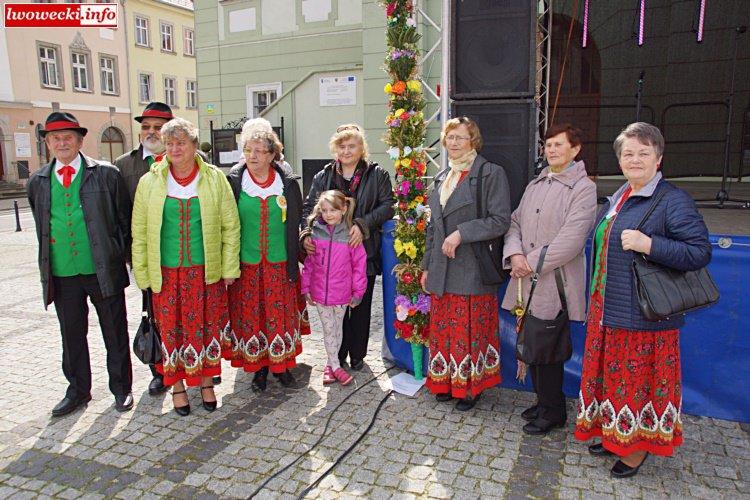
x=190, y=316
x=631, y=390
x=265, y=319
x=464, y=345
x=304, y=318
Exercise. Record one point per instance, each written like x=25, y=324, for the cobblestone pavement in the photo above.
x=416, y=448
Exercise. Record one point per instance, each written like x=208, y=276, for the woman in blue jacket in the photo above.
x=631, y=383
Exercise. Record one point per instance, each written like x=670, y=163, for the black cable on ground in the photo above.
x=323, y=435
x=348, y=450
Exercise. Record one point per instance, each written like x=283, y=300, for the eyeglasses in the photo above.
x=456, y=138
x=257, y=152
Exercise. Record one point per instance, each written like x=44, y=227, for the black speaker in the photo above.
x=493, y=47
x=508, y=132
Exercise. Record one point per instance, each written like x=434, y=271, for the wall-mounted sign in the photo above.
x=23, y=144
x=210, y=109
x=338, y=91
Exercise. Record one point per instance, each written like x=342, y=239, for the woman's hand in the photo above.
x=635, y=241
x=309, y=245
x=519, y=266
x=423, y=281
x=451, y=243
x=228, y=282
x=355, y=236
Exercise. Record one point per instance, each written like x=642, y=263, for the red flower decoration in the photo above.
x=390, y=8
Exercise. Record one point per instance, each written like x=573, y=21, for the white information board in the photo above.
x=338, y=91
x=23, y=144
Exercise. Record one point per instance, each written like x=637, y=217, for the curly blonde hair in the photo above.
x=346, y=132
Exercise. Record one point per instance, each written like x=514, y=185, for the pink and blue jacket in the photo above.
x=336, y=273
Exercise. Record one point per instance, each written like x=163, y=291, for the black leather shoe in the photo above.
x=467, y=403
x=540, y=427
x=124, y=403
x=358, y=364
x=156, y=386
x=285, y=378
x=621, y=470
x=530, y=414
x=598, y=450
x=216, y=380
x=208, y=405
x=260, y=380
x=69, y=405
x=443, y=397
x=182, y=411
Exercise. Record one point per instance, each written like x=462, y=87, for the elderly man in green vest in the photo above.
x=82, y=213
x=132, y=166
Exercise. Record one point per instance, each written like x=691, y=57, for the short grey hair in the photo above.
x=257, y=124
x=179, y=126
x=645, y=133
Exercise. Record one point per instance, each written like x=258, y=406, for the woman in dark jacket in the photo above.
x=631, y=383
x=370, y=186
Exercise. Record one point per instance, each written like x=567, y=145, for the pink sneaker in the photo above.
x=328, y=376
x=343, y=377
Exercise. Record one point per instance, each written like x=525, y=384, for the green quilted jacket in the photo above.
x=221, y=225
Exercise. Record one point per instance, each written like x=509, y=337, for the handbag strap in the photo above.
x=651, y=208
x=558, y=281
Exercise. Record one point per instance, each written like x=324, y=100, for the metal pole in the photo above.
x=445, y=49
x=18, y=217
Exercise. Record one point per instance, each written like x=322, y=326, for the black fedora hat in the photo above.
x=155, y=110
x=59, y=120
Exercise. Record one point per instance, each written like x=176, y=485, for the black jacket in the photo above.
x=293, y=196
x=375, y=200
x=106, y=210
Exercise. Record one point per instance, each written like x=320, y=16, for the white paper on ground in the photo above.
x=405, y=383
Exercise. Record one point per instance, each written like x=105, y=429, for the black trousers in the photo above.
x=357, y=326
x=151, y=367
x=548, y=380
x=73, y=313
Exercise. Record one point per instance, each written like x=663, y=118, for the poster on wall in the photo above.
x=338, y=91
x=23, y=144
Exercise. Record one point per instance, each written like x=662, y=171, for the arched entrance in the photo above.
x=580, y=91
x=112, y=144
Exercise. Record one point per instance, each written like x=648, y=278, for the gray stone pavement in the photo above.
x=416, y=448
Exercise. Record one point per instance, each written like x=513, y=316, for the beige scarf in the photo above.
x=457, y=166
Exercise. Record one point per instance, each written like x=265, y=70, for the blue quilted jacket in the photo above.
x=679, y=240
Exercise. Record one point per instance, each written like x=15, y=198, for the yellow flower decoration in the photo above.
x=399, y=112
x=413, y=205
x=411, y=250
x=419, y=199
x=414, y=85
x=406, y=162
x=388, y=88
x=398, y=246
x=398, y=163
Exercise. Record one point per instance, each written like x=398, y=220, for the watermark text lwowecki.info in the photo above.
x=60, y=15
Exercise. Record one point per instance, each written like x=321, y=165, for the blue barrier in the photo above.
x=715, y=355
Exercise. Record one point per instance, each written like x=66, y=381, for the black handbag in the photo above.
x=489, y=253
x=662, y=291
x=147, y=343
x=544, y=341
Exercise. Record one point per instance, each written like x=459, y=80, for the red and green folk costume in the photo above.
x=464, y=345
x=263, y=302
x=631, y=393
x=189, y=313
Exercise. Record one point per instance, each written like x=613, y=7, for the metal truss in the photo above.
x=543, y=56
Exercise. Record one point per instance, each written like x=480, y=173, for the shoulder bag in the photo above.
x=489, y=253
x=544, y=341
x=147, y=343
x=662, y=291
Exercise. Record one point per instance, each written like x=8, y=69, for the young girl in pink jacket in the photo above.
x=335, y=276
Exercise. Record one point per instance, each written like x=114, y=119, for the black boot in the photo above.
x=260, y=380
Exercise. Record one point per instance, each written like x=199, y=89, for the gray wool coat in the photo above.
x=461, y=275
x=558, y=211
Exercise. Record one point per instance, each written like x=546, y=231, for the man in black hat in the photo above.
x=133, y=165
x=82, y=213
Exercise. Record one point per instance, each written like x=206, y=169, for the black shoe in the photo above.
x=442, y=397
x=467, y=403
x=285, y=378
x=621, y=470
x=260, y=380
x=124, y=403
x=182, y=411
x=156, y=386
x=208, y=405
x=216, y=380
x=540, y=427
x=598, y=450
x=69, y=405
x=358, y=364
x=530, y=414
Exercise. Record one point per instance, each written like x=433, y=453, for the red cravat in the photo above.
x=67, y=173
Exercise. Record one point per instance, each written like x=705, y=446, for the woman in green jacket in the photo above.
x=186, y=236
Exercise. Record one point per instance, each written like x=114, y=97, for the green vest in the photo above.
x=70, y=249
x=182, y=233
x=263, y=232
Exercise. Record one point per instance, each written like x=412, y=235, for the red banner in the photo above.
x=51, y=15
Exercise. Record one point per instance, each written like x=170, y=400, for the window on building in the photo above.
x=144, y=87
x=108, y=71
x=50, y=71
x=261, y=100
x=189, y=43
x=112, y=144
x=141, y=32
x=167, y=41
x=80, y=66
x=191, y=91
x=170, y=91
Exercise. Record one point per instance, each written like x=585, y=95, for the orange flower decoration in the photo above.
x=420, y=225
x=398, y=88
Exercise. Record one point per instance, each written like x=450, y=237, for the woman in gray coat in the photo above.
x=558, y=209
x=464, y=341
